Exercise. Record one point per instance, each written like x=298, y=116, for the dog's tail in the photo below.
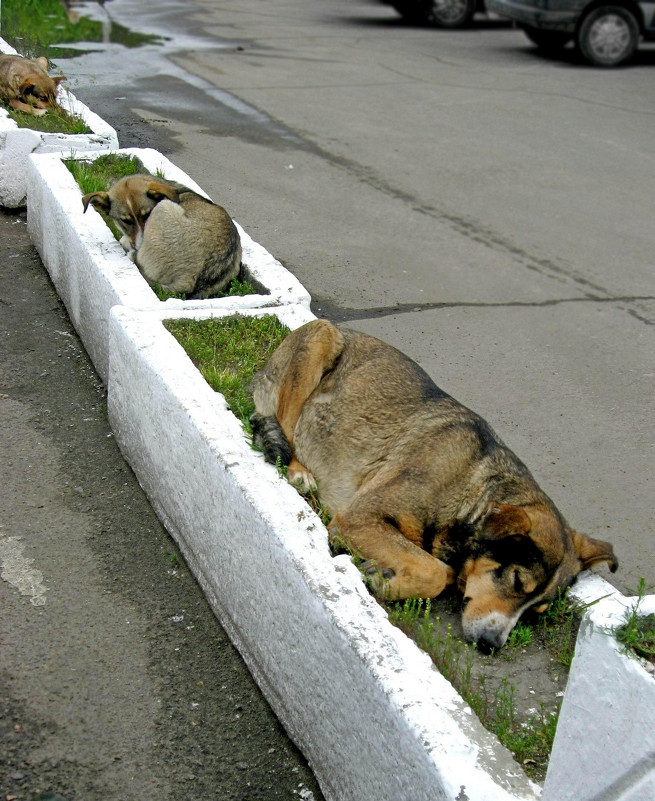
x=267, y=435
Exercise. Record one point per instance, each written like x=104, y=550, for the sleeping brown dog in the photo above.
x=177, y=238
x=26, y=85
x=416, y=483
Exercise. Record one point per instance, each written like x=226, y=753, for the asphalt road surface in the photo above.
x=482, y=207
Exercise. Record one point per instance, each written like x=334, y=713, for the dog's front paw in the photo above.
x=377, y=578
x=301, y=477
x=126, y=243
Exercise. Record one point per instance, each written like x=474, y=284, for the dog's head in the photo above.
x=130, y=202
x=32, y=84
x=522, y=557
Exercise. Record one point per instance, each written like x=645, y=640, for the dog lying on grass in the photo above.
x=177, y=238
x=26, y=85
x=416, y=483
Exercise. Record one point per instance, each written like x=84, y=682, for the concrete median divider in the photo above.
x=604, y=746
x=90, y=269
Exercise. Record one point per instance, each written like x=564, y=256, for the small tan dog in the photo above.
x=177, y=238
x=26, y=85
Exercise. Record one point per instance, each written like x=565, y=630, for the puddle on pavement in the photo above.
x=46, y=27
x=87, y=42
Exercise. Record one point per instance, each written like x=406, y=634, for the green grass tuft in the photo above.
x=637, y=634
x=55, y=121
x=97, y=175
x=228, y=351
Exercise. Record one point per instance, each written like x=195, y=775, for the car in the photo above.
x=440, y=13
x=606, y=32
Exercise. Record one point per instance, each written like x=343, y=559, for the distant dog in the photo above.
x=26, y=85
x=177, y=238
x=416, y=482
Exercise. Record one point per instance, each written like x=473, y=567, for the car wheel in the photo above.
x=440, y=13
x=608, y=36
x=549, y=41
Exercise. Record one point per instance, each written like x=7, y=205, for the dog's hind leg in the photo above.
x=291, y=375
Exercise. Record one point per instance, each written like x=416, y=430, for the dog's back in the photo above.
x=191, y=246
x=377, y=413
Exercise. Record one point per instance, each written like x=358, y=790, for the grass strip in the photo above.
x=57, y=120
x=228, y=351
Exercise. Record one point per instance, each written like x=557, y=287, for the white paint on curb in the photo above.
x=92, y=273
x=16, y=143
x=367, y=707
x=604, y=749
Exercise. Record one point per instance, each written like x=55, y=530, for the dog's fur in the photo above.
x=415, y=482
x=26, y=85
x=177, y=238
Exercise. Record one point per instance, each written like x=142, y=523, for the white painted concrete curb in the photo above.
x=604, y=749
x=373, y=716
x=92, y=273
x=16, y=143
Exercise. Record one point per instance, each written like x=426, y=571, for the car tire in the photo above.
x=439, y=13
x=548, y=41
x=608, y=36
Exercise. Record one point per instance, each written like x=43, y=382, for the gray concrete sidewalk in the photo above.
x=116, y=681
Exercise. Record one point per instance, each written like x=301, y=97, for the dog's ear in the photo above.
x=99, y=200
x=158, y=190
x=42, y=61
x=590, y=551
x=503, y=520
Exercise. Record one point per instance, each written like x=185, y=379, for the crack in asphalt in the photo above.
x=342, y=314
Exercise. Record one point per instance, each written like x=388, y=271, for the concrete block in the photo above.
x=604, y=748
x=92, y=273
x=16, y=143
x=374, y=717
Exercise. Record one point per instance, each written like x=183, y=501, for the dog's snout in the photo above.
x=488, y=631
x=491, y=639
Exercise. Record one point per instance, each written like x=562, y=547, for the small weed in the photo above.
x=530, y=742
x=172, y=557
x=558, y=626
x=237, y=287
x=519, y=637
x=637, y=634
